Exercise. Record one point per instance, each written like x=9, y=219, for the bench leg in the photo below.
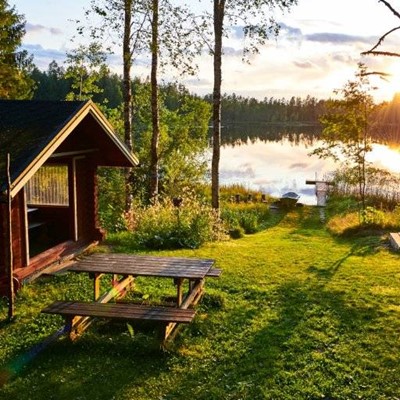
x=76, y=325
x=69, y=322
x=194, y=295
x=123, y=285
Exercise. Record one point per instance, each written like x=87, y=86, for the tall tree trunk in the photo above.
x=154, y=159
x=219, y=11
x=127, y=96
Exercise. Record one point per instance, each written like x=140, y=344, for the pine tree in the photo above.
x=14, y=65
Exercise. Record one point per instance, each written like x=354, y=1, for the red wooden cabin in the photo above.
x=55, y=148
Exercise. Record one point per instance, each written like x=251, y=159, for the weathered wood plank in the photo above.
x=81, y=323
x=120, y=311
x=121, y=264
x=214, y=273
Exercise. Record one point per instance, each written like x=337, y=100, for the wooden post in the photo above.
x=9, y=262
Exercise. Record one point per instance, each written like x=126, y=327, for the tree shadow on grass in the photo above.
x=97, y=366
x=279, y=345
x=288, y=339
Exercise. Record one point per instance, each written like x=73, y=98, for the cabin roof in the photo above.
x=30, y=131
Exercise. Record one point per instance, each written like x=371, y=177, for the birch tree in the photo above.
x=85, y=67
x=153, y=27
x=346, y=133
x=258, y=24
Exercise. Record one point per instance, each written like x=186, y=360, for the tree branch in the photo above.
x=389, y=6
x=380, y=41
x=382, y=53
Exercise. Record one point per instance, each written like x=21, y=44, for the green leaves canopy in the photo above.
x=14, y=64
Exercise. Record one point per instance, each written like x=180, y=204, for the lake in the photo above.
x=278, y=166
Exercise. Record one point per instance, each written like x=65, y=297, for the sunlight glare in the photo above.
x=385, y=157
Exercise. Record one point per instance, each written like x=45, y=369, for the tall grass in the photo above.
x=382, y=187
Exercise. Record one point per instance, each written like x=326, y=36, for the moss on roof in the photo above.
x=26, y=127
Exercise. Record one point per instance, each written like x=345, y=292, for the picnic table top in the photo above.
x=139, y=265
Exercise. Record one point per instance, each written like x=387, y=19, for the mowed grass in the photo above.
x=296, y=314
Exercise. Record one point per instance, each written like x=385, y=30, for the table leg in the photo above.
x=96, y=285
x=179, y=291
x=194, y=295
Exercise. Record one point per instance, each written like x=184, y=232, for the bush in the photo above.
x=236, y=233
x=163, y=226
x=349, y=222
x=247, y=218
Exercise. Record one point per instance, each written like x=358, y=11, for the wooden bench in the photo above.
x=214, y=273
x=120, y=311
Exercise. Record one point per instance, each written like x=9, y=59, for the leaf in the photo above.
x=130, y=330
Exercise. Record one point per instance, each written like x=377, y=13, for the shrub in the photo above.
x=248, y=218
x=350, y=222
x=236, y=233
x=163, y=226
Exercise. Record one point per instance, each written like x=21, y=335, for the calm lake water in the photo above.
x=276, y=167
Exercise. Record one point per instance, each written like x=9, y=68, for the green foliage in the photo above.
x=345, y=219
x=296, y=314
x=165, y=226
x=228, y=193
x=86, y=66
x=183, y=141
x=347, y=129
x=373, y=216
x=381, y=186
x=15, y=65
x=248, y=218
x=111, y=199
x=51, y=84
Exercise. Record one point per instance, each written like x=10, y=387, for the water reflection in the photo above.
x=275, y=166
x=241, y=134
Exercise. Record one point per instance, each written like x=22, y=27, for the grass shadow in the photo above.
x=293, y=336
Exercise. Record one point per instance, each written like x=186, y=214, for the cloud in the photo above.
x=42, y=56
x=242, y=171
x=290, y=32
x=304, y=64
x=298, y=166
x=336, y=38
x=37, y=28
x=232, y=52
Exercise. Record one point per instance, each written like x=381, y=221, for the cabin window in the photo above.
x=49, y=186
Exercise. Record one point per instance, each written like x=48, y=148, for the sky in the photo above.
x=316, y=52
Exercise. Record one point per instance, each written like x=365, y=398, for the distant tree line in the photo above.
x=53, y=84
x=237, y=109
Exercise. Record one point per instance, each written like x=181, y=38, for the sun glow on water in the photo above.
x=385, y=157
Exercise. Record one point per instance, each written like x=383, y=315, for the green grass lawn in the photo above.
x=296, y=314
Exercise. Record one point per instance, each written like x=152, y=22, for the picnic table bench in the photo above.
x=119, y=311
x=78, y=315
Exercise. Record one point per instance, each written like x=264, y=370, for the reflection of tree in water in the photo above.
x=386, y=124
x=237, y=134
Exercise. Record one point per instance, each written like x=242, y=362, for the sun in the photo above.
x=387, y=87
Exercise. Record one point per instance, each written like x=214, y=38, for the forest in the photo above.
x=242, y=117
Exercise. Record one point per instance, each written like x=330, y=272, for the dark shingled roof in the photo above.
x=26, y=127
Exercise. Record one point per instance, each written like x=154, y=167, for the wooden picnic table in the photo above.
x=129, y=266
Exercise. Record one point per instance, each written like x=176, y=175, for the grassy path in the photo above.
x=297, y=314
